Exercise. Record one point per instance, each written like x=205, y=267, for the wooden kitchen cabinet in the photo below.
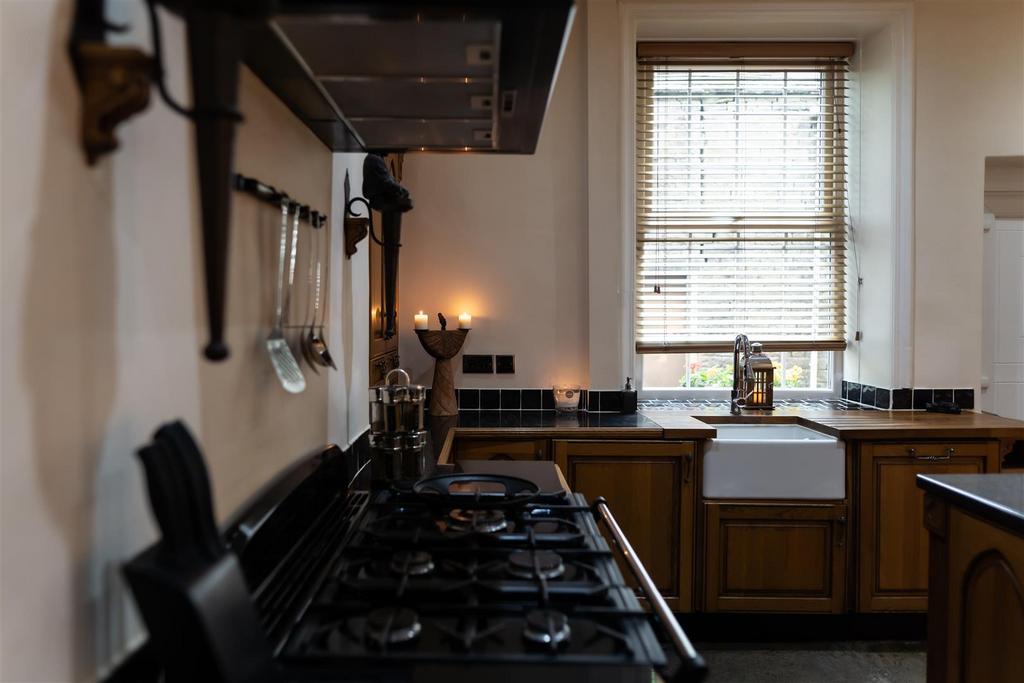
x=503, y=449
x=775, y=557
x=976, y=589
x=893, y=543
x=649, y=487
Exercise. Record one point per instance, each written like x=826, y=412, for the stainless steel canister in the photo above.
x=396, y=415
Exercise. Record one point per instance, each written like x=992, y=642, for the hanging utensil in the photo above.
x=310, y=355
x=316, y=338
x=277, y=347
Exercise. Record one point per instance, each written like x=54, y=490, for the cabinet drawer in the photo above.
x=487, y=449
x=930, y=450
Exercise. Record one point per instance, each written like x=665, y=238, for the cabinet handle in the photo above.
x=841, y=531
x=688, y=468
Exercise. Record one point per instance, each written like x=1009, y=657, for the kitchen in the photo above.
x=107, y=314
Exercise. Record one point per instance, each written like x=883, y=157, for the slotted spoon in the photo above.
x=316, y=340
x=277, y=347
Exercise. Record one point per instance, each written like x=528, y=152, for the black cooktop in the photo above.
x=474, y=583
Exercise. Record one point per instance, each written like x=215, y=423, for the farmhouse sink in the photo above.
x=774, y=461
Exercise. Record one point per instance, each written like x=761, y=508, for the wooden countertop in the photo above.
x=699, y=424
x=871, y=424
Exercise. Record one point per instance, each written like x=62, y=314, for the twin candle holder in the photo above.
x=443, y=345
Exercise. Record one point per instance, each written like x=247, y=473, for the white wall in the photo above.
x=102, y=325
x=505, y=238
x=871, y=305
x=969, y=105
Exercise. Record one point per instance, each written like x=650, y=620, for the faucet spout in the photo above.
x=740, y=345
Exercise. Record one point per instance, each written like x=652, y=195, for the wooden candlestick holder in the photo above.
x=443, y=345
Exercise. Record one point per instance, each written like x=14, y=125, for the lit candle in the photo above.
x=421, y=321
x=465, y=321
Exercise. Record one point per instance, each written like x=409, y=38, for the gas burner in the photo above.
x=489, y=521
x=392, y=626
x=546, y=627
x=412, y=563
x=539, y=564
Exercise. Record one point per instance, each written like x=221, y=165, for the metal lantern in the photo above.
x=761, y=379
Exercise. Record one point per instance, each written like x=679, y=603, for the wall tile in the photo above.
x=964, y=398
x=867, y=395
x=531, y=399
x=883, y=398
x=490, y=399
x=510, y=399
x=469, y=399
x=922, y=397
x=902, y=399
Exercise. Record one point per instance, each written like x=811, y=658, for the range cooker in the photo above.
x=451, y=578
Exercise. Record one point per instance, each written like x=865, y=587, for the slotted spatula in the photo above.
x=277, y=348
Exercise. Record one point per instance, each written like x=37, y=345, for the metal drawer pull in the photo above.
x=931, y=458
x=692, y=668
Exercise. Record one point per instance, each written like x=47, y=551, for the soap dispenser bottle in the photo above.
x=628, y=403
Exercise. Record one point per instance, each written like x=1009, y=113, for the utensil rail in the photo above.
x=692, y=668
x=272, y=195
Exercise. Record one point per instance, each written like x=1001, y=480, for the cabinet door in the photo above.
x=485, y=449
x=778, y=557
x=649, y=487
x=985, y=602
x=893, y=567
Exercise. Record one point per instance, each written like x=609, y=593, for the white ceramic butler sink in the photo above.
x=772, y=461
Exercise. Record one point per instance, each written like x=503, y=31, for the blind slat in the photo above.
x=741, y=203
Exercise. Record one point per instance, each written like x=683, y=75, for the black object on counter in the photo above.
x=943, y=407
x=190, y=590
x=628, y=401
x=392, y=200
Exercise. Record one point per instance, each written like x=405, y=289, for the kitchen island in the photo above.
x=976, y=577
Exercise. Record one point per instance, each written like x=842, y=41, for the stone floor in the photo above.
x=850, y=662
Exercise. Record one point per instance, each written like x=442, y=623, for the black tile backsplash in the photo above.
x=469, y=399
x=922, y=397
x=511, y=399
x=854, y=396
x=883, y=398
x=531, y=399
x=490, y=399
x=964, y=398
x=547, y=399
x=867, y=395
x=901, y=399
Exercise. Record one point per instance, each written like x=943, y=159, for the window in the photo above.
x=741, y=205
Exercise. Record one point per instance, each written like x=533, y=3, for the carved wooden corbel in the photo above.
x=115, y=84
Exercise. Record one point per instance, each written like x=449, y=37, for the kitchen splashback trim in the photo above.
x=906, y=398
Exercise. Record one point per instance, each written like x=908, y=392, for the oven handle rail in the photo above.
x=692, y=668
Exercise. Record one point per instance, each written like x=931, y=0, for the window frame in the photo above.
x=836, y=355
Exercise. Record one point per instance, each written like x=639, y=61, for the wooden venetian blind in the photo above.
x=740, y=195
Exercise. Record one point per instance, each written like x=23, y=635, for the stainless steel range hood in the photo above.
x=431, y=76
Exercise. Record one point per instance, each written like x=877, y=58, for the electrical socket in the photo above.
x=477, y=365
x=505, y=365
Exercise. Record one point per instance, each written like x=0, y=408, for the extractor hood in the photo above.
x=430, y=76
